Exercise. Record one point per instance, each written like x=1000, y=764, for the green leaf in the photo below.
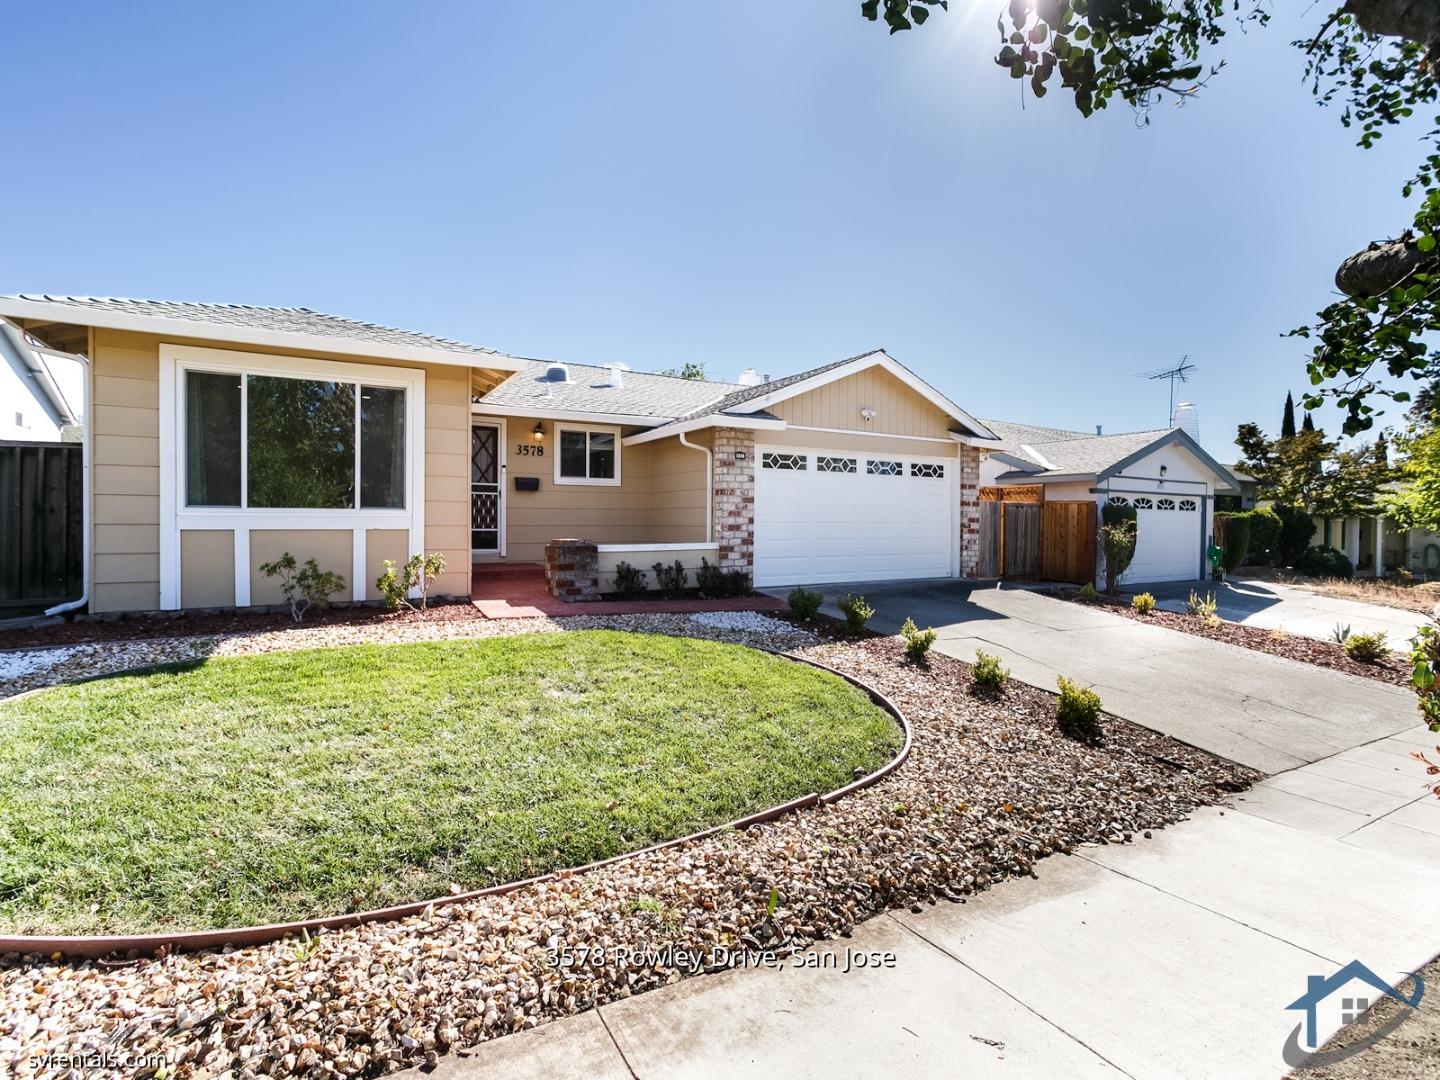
x=1426, y=243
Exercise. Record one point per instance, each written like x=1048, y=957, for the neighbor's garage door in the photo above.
x=1167, y=546
x=823, y=517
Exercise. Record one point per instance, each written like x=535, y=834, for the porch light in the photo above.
x=539, y=431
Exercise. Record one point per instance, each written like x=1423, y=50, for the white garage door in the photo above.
x=825, y=516
x=1167, y=545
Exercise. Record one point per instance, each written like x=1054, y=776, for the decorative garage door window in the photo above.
x=1118, y=500
x=878, y=467
x=1164, y=504
x=1142, y=503
x=929, y=471
x=1188, y=504
x=835, y=464
x=791, y=462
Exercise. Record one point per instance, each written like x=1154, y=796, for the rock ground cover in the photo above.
x=990, y=790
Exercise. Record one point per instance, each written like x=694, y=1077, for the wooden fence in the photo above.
x=40, y=523
x=1054, y=541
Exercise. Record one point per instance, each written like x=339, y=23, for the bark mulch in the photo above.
x=1393, y=668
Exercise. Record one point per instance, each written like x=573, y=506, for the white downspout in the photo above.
x=709, y=486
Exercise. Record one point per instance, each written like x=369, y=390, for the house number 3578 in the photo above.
x=529, y=450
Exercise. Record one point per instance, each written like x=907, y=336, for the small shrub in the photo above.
x=716, y=583
x=1078, y=712
x=1118, y=533
x=917, y=641
x=1143, y=602
x=1324, y=562
x=1340, y=633
x=305, y=586
x=1201, y=607
x=630, y=581
x=987, y=673
x=1088, y=593
x=1368, y=647
x=419, y=572
x=857, y=613
x=804, y=603
x=670, y=579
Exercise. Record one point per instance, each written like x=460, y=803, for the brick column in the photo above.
x=572, y=569
x=969, y=511
x=734, y=498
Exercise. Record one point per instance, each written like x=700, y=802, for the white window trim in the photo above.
x=587, y=481
x=175, y=516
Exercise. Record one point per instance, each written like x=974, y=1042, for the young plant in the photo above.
x=986, y=673
x=1143, y=602
x=1367, y=647
x=419, y=572
x=1078, y=712
x=1202, y=608
x=804, y=603
x=630, y=581
x=1340, y=633
x=857, y=613
x=305, y=586
x=714, y=582
x=1088, y=593
x=917, y=641
x=1118, y=533
x=671, y=579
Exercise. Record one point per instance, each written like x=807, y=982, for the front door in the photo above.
x=487, y=490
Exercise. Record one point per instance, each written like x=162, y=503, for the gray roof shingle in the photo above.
x=281, y=319
x=663, y=397
x=741, y=394
x=1089, y=454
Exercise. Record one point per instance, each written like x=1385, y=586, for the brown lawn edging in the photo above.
x=97, y=946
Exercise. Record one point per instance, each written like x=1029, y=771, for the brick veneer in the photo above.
x=969, y=511
x=734, y=498
x=572, y=569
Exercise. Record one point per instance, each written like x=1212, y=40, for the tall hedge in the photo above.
x=1264, y=535
x=1237, y=540
x=1296, y=529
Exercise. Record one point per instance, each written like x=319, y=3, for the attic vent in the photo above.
x=615, y=374
x=557, y=373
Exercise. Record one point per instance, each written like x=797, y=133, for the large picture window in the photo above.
x=587, y=456
x=303, y=444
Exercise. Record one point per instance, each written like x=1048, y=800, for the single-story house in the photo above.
x=41, y=391
x=220, y=436
x=1068, y=475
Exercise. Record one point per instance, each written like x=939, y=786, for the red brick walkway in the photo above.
x=518, y=592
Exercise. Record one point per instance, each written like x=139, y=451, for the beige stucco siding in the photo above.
x=330, y=548
x=207, y=568
x=383, y=544
x=898, y=409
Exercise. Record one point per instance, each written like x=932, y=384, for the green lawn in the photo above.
x=298, y=784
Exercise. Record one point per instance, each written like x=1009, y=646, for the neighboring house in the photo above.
x=1249, y=490
x=42, y=391
x=1165, y=474
x=225, y=435
x=1375, y=545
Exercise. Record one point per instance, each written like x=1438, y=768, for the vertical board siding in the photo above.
x=40, y=526
x=1020, y=537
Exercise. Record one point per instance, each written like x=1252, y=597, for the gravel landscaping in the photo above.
x=990, y=790
x=1392, y=668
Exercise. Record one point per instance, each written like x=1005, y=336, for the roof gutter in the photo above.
x=26, y=353
x=730, y=420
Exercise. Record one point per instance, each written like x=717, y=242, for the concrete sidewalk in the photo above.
x=1173, y=958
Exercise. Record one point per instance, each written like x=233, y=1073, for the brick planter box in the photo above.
x=572, y=569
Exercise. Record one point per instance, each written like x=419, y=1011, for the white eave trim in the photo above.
x=245, y=335
x=879, y=358
x=748, y=423
x=582, y=416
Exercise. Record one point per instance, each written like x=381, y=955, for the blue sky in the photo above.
x=738, y=184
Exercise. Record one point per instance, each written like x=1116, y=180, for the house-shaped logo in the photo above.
x=1321, y=987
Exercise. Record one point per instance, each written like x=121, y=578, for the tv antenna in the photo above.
x=1181, y=372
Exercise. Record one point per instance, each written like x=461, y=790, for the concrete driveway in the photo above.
x=1292, y=609
x=1260, y=710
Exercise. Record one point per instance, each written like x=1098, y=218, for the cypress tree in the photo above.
x=1309, y=424
x=1287, y=423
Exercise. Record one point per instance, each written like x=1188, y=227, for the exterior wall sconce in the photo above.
x=868, y=414
x=539, y=431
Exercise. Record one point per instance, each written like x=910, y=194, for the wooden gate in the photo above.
x=40, y=523
x=1009, y=532
x=1067, y=542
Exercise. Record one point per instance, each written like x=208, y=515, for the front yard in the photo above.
x=292, y=785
